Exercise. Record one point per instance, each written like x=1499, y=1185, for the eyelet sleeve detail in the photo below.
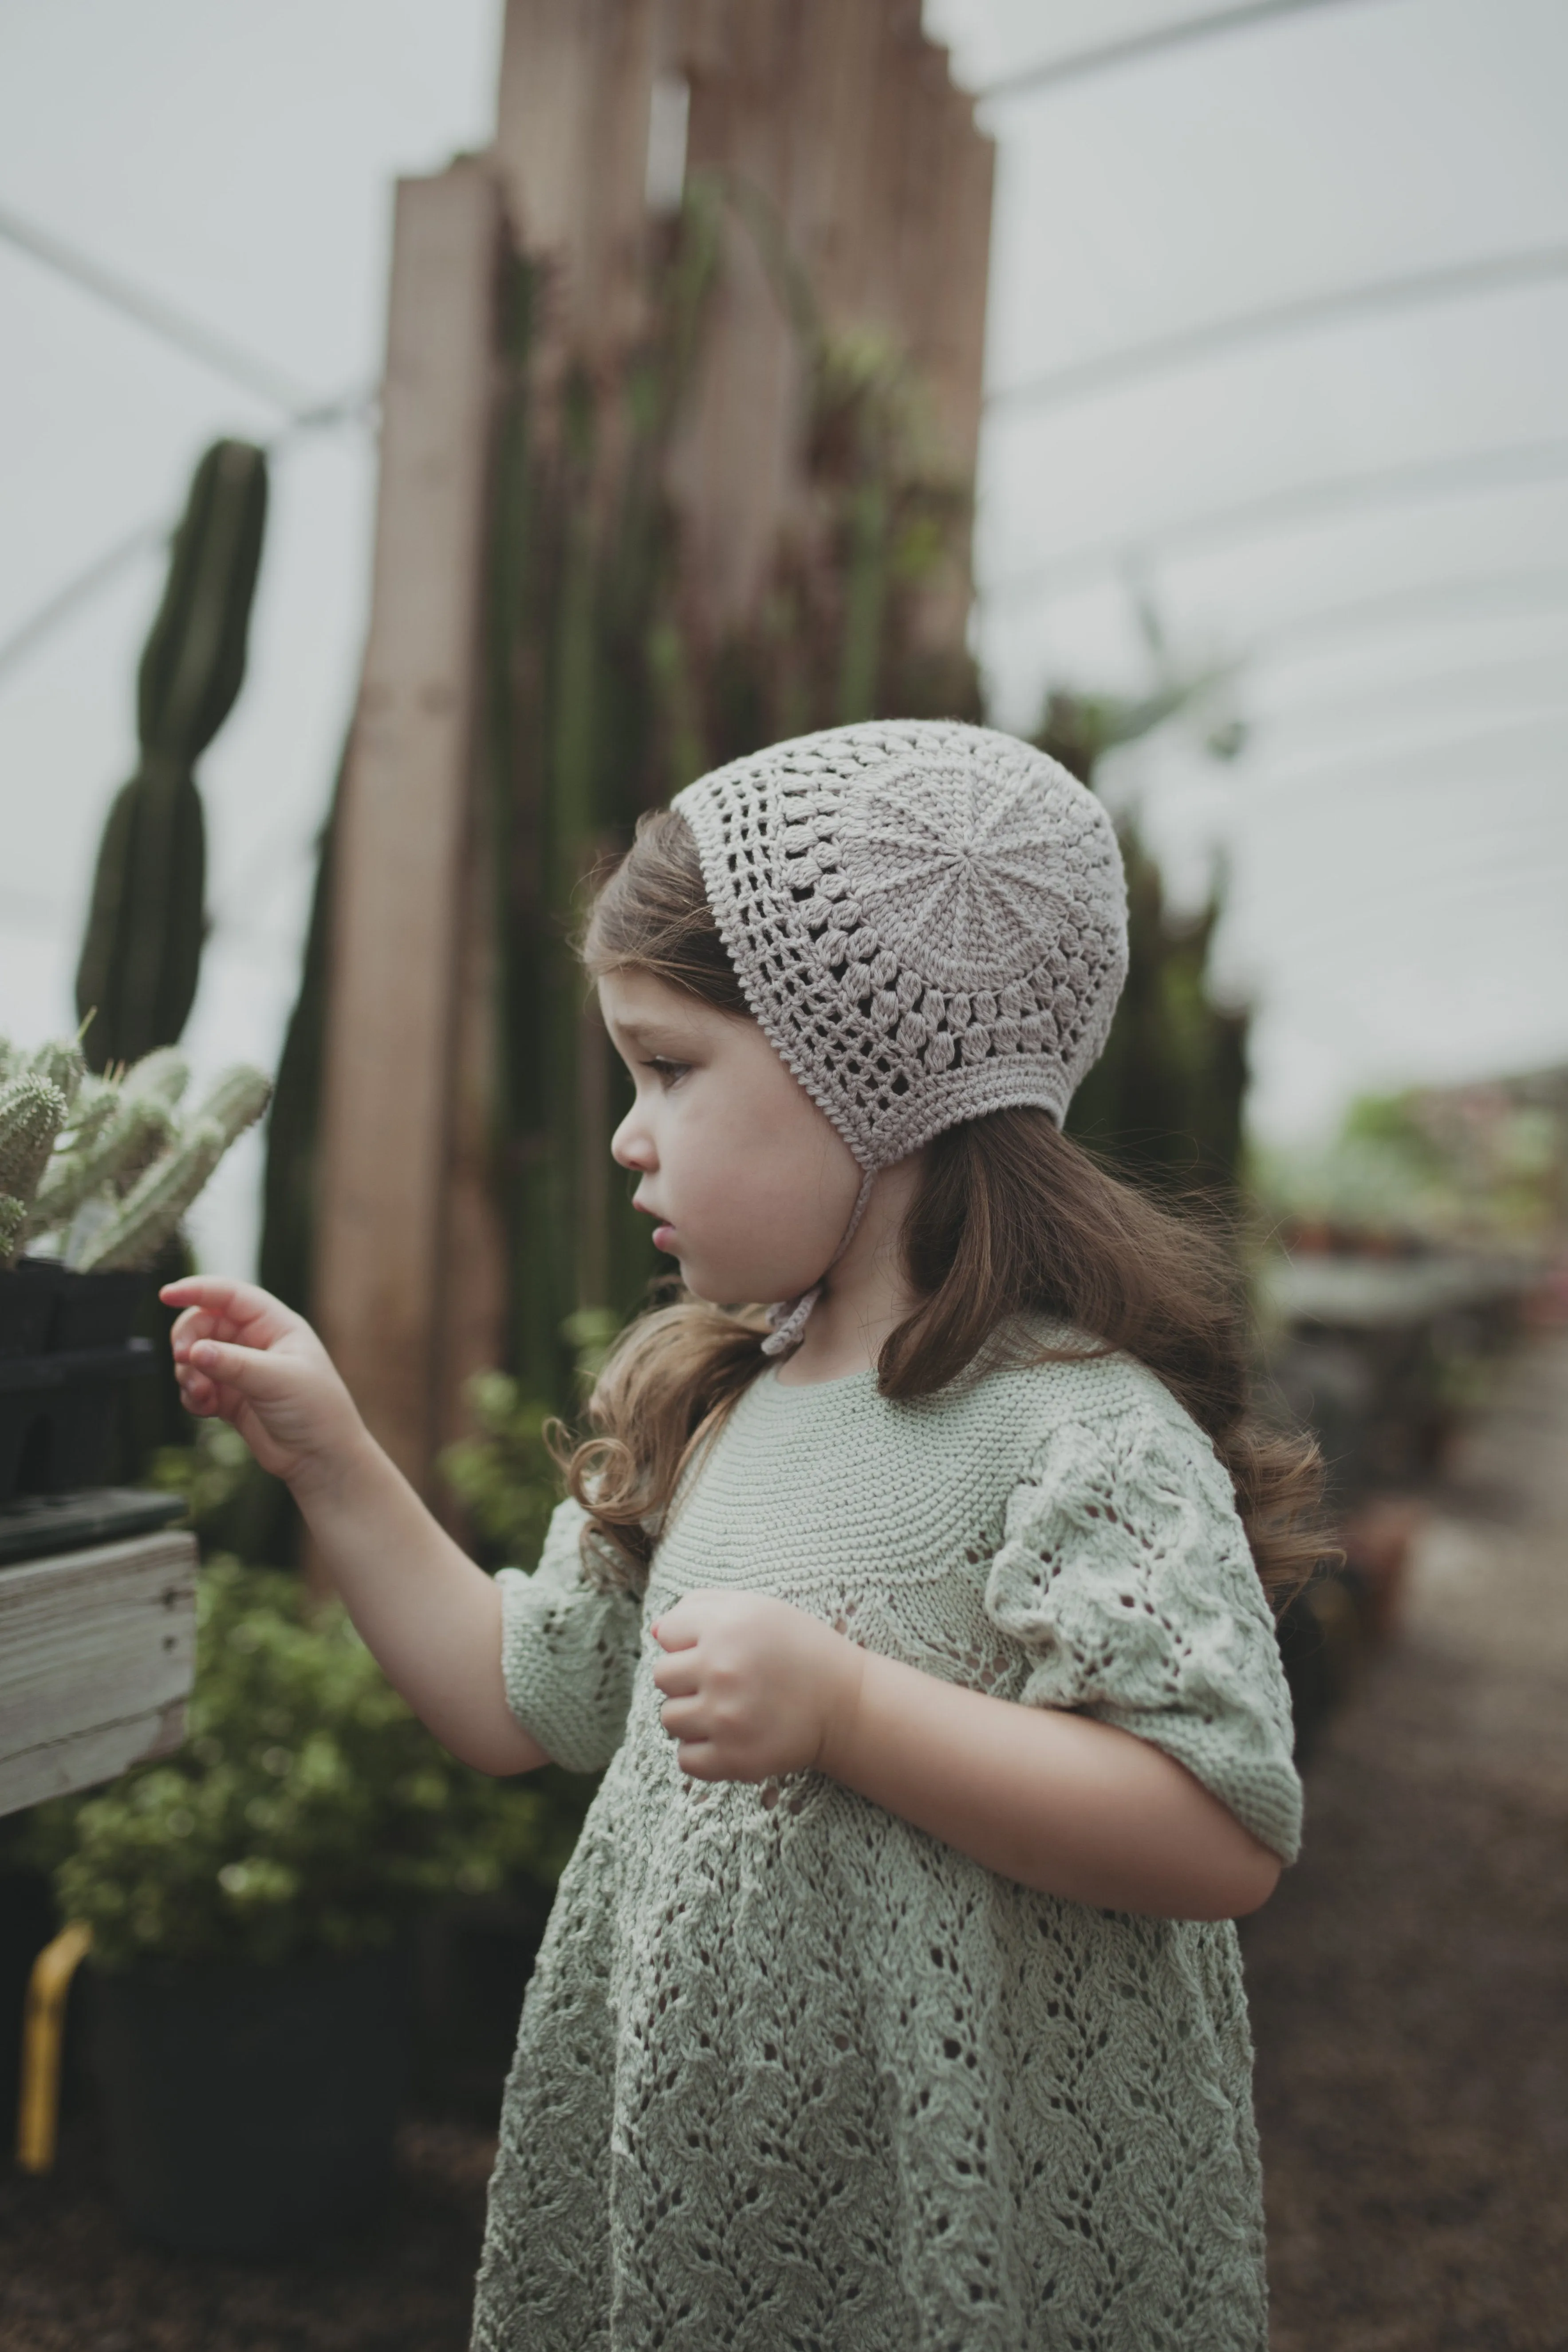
x=568, y=1650
x=1125, y=1571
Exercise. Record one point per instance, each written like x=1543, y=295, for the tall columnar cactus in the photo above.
x=288, y=1219
x=140, y=959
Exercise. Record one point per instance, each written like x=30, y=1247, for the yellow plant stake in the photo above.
x=43, y=2030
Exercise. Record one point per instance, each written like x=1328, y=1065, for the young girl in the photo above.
x=892, y=2001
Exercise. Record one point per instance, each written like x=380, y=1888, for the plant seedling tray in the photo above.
x=37, y=1526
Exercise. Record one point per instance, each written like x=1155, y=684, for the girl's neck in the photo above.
x=867, y=1295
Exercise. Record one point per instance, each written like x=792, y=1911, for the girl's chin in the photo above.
x=732, y=1286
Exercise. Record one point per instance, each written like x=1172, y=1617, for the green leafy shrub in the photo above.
x=234, y=1507
x=309, y=1810
x=506, y=1475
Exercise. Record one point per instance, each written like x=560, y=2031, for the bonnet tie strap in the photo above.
x=790, y=1317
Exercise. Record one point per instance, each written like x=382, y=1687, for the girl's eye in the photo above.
x=666, y=1072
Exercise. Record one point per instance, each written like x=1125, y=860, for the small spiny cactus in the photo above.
x=124, y=1143
x=61, y=1062
x=32, y=1113
x=102, y=1168
x=162, y=1075
x=238, y=1097
x=150, y=1211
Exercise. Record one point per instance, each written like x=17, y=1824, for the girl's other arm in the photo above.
x=1061, y=1802
x=1057, y=1800
x=430, y=1616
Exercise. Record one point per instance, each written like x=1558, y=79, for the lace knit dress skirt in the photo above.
x=792, y=2074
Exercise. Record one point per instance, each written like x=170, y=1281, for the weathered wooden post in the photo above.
x=407, y=1277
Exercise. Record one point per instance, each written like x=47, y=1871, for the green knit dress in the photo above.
x=795, y=2076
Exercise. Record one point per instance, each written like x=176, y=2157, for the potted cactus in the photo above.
x=96, y=1172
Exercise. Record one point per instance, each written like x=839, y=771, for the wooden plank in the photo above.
x=97, y=1655
x=394, y=989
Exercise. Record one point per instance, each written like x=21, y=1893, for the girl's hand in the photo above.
x=241, y=1354
x=753, y=1687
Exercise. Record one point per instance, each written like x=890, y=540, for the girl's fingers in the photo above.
x=249, y=1371
x=674, y=1630
x=195, y=1323
x=197, y=1394
x=682, y=1718
x=676, y=1677
x=244, y=1306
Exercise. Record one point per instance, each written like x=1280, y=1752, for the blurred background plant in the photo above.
x=505, y=1474
x=1478, y=1167
x=1166, y=1101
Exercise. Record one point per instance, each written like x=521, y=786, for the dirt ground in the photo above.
x=72, y=2280
x=1409, y=1986
x=1409, y=1981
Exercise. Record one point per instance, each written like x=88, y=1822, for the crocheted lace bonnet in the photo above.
x=929, y=922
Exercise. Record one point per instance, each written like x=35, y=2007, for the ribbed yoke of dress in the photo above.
x=793, y=2074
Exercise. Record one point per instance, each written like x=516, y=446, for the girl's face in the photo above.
x=749, y=1185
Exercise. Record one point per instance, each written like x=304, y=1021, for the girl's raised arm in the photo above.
x=431, y=1618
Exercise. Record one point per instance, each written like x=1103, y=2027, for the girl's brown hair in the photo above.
x=1012, y=1219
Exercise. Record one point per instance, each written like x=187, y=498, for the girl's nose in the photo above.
x=631, y=1146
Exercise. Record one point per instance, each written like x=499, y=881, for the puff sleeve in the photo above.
x=1126, y=1573
x=568, y=1652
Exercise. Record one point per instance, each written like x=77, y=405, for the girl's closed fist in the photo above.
x=753, y=1687
x=241, y=1354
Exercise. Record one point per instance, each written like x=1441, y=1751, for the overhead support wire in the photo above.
x=100, y=575
x=104, y=570
x=1381, y=298
x=172, y=326
x=304, y=411
x=1385, y=759
x=1491, y=470
x=1307, y=713
x=1504, y=593
x=1079, y=65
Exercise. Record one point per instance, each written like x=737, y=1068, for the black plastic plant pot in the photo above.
x=250, y=2111
x=66, y=1348
x=96, y=1311
x=28, y=1295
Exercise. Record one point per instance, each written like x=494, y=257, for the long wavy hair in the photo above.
x=1012, y=1220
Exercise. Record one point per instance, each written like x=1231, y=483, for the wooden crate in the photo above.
x=97, y=1654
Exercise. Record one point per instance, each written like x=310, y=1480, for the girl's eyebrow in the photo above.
x=651, y=1033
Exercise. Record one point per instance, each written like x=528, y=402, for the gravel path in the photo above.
x=1409, y=1981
